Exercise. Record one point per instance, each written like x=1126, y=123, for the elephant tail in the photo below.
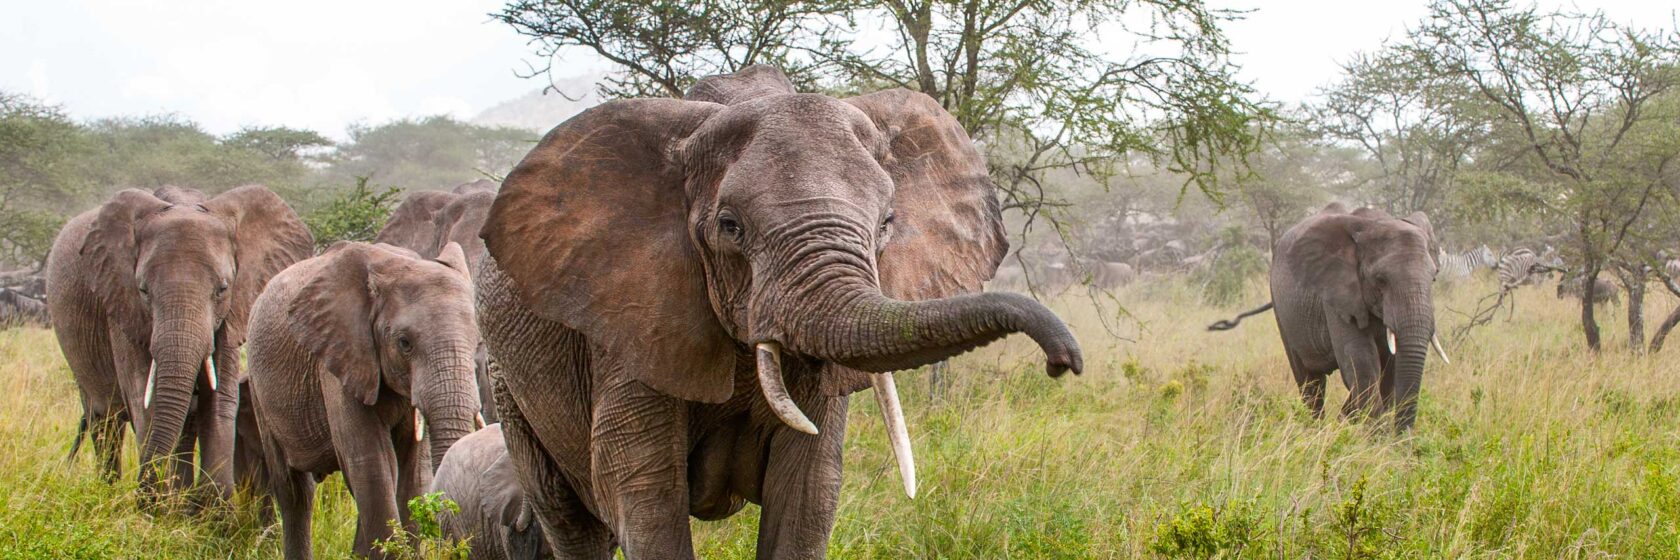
x=1224, y=325
x=76, y=445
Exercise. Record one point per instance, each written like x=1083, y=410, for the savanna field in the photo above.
x=1176, y=442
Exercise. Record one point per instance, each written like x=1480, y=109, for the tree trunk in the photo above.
x=1589, y=325
x=1662, y=330
x=1633, y=279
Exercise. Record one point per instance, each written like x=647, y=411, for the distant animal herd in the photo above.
x=660, y=313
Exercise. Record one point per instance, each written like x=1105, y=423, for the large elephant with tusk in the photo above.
x=150, y=295
x=1352, y=293
x=681, y=295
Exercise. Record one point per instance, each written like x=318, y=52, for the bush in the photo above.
x=357, y=215
x=427, y=540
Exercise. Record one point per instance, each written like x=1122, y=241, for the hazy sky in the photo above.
x=324, y=64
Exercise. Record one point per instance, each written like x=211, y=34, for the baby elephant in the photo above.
x=476, y=474
x=1603, y=291
x=353, y=355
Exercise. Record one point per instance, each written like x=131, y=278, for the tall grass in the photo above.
x=1175, y=443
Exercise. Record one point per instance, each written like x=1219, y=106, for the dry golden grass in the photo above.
x=1177, y=442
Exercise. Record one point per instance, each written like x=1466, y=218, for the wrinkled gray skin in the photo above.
x=346, y=349
x=1604, y=290
x=1340, y=281
x=166, y=277
x=426, y=221
x=642, y=250
x=494, y=518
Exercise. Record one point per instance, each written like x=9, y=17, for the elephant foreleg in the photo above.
x=414, y=469
x=570, y=529
x=367, y=454
x=1359, y=361
x=216, y=417
x=107, y=434
x=801, y=485
x=639, y=468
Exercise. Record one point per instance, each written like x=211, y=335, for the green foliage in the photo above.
x=1200, y=531
x=41, y=174
x=355, y=215
x=427, y=541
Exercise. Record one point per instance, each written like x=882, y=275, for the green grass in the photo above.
x=1179, y=443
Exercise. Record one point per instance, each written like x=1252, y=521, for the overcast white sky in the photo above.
x=324, y=64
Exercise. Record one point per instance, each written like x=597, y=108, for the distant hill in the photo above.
x=539, y=111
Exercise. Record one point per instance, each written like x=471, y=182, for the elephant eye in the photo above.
x=730, y=227
x=404, y=344
x=221, y=290
x=887, y=222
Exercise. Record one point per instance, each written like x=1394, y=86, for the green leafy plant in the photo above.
x=427, y=541
x=356, y=215
x=1201, y=531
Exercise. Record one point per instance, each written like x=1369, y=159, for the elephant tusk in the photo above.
x=1391, y=342
x=770, y=379
x=1436, y=341
x=478, y=418
x=419, y=426
x=151, y=383
x=886, y=393
x=210, y=370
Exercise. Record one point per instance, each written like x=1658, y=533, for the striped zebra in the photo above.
x=1462, y=265
x=1672, y=267
x=1523, y=267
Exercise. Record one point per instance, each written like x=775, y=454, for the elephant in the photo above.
x=354, y=354
x=1603, y=289
x=1352, y=293
x=426, y=221
x=494, y=519
x=682, y=293
x=149, y=295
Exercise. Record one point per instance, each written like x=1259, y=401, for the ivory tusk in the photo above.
x=151, y=383
x=479, y=418
x=419, y=426
x=886, y=393
x=210, y=370
x=770, y=379
x=1436, y=341
x=1391, y=342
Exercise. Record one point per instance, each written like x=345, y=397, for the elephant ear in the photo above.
x=1421, y=220
x=591, y=227
x=948, y=235
x=452, y=257
x=461, y=221
x=267, y=237
x=411, y=223
x=113, y=246
x=1326, y=255
x=332, y=317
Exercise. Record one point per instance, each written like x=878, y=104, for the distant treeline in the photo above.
x=53, y=165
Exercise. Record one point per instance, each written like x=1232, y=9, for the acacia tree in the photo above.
x=1029, y=79
x=40, y=173
x=1416, y=129
x=1570, y=109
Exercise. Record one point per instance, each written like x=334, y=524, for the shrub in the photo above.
x=427, y=541
x=356, y=215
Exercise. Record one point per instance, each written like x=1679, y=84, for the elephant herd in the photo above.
x=661, y=313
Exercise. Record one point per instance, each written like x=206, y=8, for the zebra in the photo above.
x=1523, y=267
x=1672, y=267
x=1462, y=265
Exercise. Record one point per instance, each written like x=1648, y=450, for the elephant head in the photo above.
x=387, y=322
x=678, y=234
x=178, y=273
x=1370, y=267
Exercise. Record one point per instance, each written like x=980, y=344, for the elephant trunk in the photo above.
x=1413, y=322
x=847, y=320
x=183, y=338
x=447, y=403
x=868, y=331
